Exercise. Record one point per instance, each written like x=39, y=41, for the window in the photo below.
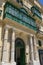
x=39, y=42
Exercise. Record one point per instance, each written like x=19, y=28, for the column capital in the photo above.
x=31, y=35
x=10, y=27
x=6, y=34
x=13, y=31
x=13, y=35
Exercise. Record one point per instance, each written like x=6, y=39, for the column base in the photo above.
x=5, y=63
x=13, y=63
x=34, y=63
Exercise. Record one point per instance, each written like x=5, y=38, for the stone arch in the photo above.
x=20, y=42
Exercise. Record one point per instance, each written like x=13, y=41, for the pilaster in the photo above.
x=6, y=47
x=32, y=53
x=36, y=55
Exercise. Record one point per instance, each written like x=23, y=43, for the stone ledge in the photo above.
x=5, y=63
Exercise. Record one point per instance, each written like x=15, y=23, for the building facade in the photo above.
x=21, y=32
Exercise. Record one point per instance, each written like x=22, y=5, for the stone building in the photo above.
x=21, y=32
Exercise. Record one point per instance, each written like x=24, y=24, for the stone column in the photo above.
x=36, y=50
x=32, y=52
x=6, y=47
x=13, y=47
x=0, y=42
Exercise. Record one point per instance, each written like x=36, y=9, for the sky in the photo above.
x=41, y=2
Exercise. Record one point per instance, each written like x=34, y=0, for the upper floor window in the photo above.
x=39, y=42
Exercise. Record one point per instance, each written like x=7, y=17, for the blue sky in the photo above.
x=41, y=2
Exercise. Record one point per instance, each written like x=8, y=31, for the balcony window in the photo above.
x=36, y=12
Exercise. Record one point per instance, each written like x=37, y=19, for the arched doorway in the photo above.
x=19, y=51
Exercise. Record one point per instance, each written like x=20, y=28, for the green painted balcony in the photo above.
x=20, y=16
x=35, y=11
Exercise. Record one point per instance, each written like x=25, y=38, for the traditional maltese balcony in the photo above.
x=19, y=15
x=36, y=13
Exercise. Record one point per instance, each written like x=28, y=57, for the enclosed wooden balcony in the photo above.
x=36, y=12
x=19, y=15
